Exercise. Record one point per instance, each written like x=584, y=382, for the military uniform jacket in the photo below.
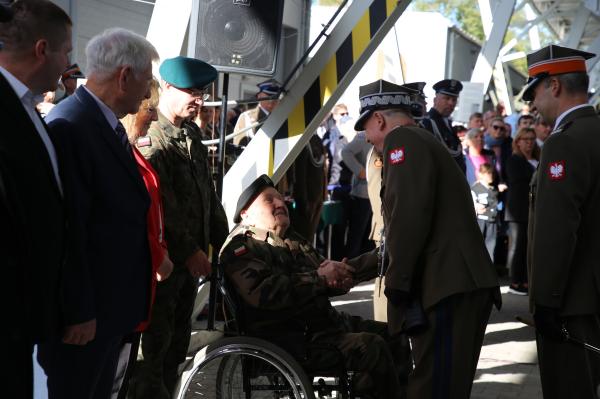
x=277, y=281
x=434, y=245
x=246, y=119
x=194, y=217
x=447, y=135
x=565, y=272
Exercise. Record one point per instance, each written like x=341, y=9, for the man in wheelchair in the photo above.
x=284, y=287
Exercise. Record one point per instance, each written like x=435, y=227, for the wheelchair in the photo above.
x=249, y=367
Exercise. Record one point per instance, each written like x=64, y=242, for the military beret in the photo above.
x=250, y=193
x=382, y=94
x=73, y=71
x=449, y=87
x=187, y=73
x=553, y=60
x=270, y=87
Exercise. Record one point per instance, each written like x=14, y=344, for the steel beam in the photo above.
x=577, y=28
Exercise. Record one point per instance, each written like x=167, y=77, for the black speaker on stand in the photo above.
x=239, y=36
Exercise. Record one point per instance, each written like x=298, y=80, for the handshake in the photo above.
x=337, y=274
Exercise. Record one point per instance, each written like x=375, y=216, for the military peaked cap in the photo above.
x=250, y=193
x=187, y=73
x=382, y=94
x=449, y=87
x=73, y=72
x=270, y=87
x=553, y=60
x=419, y=98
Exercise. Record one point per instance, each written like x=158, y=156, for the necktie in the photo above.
x=122, y=135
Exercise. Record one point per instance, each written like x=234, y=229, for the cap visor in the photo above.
x=528, y=91
x=359, y=125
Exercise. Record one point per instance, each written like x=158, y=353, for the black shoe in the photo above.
x=518, y=289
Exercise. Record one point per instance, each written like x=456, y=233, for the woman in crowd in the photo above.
x=137, y=126
x=476, y=155
x=519, y=169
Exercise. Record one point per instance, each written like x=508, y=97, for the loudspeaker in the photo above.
x=239, y=36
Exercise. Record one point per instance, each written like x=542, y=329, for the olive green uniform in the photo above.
x=194, y=217
x=564, y=266
x=283, y=296
x=437, y=257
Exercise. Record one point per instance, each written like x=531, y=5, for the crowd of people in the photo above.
x=108, y=197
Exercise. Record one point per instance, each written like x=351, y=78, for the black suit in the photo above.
x=32, y=243
x=109, y=203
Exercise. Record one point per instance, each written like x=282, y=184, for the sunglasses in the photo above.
x=496, y=127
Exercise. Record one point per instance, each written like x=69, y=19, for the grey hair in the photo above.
x=471, y=133
x=117, y=47
x=396, y=111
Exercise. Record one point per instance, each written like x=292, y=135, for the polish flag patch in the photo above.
x=240, y=251
x=557, y=170
x=397, y=155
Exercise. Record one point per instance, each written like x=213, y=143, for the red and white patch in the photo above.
x=557, y=170
x=240, y=251
x=145, y=141
x=397, y=155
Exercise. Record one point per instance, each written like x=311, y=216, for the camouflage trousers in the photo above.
x=381, y=363
x=164, y=344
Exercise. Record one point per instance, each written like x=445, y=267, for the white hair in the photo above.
x=117, y=47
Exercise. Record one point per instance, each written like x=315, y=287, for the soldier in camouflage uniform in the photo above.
x=194, y=218
x=284, y=286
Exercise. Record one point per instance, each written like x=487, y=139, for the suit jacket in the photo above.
x=518, y=176
x=108, y=208
x=564, y=266
x=32, y=237
x=434, y=245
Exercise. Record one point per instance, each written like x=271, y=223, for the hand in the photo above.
x=502, y=187
x=337, y=274
x=80, y=334
x=164, y=269
x=479, y=208
x=198, y=264
x=548, y=323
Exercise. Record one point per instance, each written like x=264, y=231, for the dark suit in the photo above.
x=436, y=256
x=565, y=273
x=108, y=207
x=518, y=175
x=32, y=243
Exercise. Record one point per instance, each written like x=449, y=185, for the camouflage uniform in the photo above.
x=194, y=218
x=287, y=302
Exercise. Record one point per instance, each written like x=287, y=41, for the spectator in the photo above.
x=485, y=198
x=488, y=116
x=475, y=121
x=461, y=133
x=267, y=90
x=68, y=80
x=519, y=170
x=47, y=103
x=33, y=237
x=542, y=131
x=476, y=155
x=354, y=156
x=108, y=214
x=500, y=144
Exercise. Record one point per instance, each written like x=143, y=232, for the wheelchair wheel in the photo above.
x=243, y=367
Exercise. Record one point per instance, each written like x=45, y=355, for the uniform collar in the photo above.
x=562, y=116
x=169, y=129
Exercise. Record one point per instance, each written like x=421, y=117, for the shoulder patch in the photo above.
x=145, y=141
x=397, y=155
x=241, y=250
x=557, y=170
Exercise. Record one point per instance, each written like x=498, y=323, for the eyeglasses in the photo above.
x=496, y=127
x=196, y=93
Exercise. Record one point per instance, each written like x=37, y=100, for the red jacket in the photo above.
x=158, y=246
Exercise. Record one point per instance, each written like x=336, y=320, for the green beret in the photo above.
x=250, y=193
x=187, y=73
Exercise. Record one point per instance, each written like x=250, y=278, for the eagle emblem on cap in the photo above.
x=397, y=155
x=556, y=170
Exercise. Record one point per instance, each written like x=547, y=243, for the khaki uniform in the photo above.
x=246, y=119
x=564, y=236
x=194, y=217
x=286, y=301
x=436, y=256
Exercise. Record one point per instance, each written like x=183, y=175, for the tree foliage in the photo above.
x=464, y=13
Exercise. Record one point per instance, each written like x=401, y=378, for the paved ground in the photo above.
x=508, y=363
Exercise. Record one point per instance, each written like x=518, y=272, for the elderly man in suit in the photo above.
x=35, y=41
x=564, y=279
x=440, y=281
x=108, y=207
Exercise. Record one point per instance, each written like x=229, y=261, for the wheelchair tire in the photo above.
x=243, y=367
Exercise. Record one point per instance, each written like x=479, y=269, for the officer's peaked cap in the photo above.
x=250, y=193
x=72, y=71
x=187, y=73
x=553, y=60
x=449, y=87
x=270, y=87
x=382, y=94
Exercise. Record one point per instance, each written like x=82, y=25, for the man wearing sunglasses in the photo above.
x=194, y=218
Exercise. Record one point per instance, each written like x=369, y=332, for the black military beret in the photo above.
x=382, y=94
x=553, y=60
x=450, y=87
x=250, y=193
x=187, y=73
